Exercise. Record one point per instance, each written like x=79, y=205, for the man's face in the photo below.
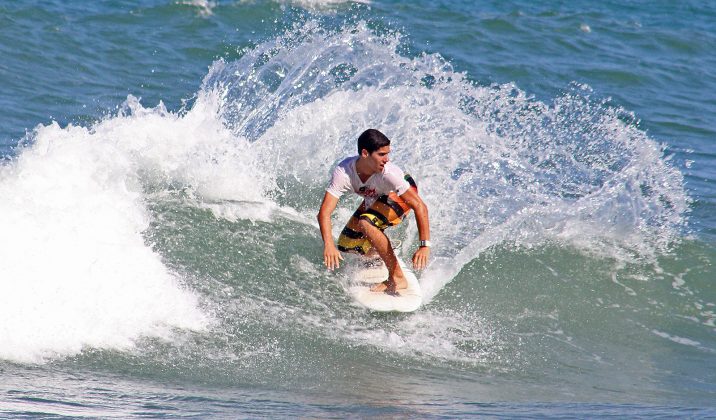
x=378, y=159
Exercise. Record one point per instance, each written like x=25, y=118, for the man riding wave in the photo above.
x=388, y=196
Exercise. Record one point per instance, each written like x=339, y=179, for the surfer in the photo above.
x=388, y=196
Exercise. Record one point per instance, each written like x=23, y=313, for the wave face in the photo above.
x=182, y=245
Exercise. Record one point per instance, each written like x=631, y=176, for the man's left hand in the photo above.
x=420, y=258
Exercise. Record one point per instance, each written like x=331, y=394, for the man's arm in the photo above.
x=411, y=197
x=331, y=255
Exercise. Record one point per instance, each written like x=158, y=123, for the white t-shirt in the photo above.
x=345, y=178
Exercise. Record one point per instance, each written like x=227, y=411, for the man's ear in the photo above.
x=364, y=153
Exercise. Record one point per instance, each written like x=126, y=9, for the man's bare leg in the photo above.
x=396, y=278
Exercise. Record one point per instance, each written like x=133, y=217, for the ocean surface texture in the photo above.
x=162, y=163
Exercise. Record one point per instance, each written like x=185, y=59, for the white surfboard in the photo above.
x=407, y=300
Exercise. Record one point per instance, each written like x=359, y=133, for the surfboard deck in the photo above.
x=407, y=300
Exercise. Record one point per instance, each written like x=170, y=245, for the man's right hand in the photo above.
x=331, y=257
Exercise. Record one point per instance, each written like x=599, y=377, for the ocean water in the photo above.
x=163, y=162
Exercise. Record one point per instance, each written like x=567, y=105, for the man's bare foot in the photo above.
x=390, y=286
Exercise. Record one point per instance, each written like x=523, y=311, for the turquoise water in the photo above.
x=163, y=162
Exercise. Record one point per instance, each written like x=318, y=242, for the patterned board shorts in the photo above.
x=388, y=210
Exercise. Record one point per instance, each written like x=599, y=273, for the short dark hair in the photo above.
x=372, y=140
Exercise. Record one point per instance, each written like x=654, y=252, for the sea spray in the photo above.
x=494, y=165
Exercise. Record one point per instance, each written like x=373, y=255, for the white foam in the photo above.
x=446, y=336
x=205, y=7
x=425, y=334
x=77, y=271
x=677, y=339
x=322, y=4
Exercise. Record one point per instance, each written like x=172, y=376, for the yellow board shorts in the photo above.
x=388, y=210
